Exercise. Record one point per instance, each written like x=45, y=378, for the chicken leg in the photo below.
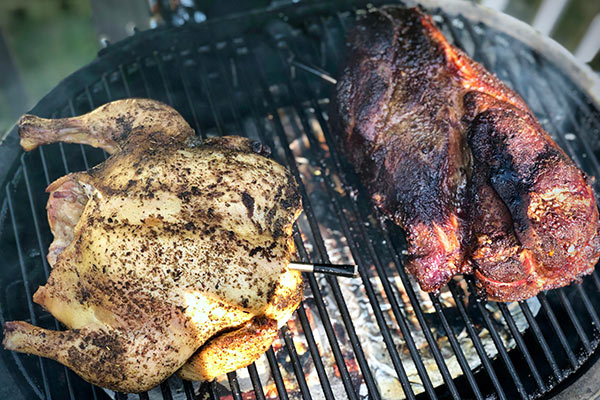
x=106, y=127
x=170, y=243
x=230, y=350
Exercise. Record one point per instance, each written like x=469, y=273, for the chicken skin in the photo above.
x=172, y=255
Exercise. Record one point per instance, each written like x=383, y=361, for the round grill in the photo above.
x=375, y=336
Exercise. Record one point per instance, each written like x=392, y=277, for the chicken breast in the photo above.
x=172, y=253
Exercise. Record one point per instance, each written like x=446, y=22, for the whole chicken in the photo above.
x=171, y=255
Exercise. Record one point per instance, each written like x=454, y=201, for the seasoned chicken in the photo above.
x=171, y=255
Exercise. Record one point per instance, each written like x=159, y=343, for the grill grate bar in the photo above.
x=573, y=317
x=140, y=62
x=255, y=379
x=540, y=337
x=332, y=281
x=367, y=284
x=554, y=322
x=165, y=390
x=25, y=277
x=163, y=78
x=124, y=79
x=63, y=156
x=477, y=342
x=229, y=89
x=38, y=233
x=188, y=95
x=498, y=342
x=208, y=389
x=256, y=384
x=314, y=352
x=234, y=386
x=588, y=305
x=521, y=344
x=144, y=396
x=276, y=373
x=189, y=390
x=296, y=364
x=324, y=380
x=596, y=280
x=44, y=164
x=83, y=155
x=455, y=345
x=213, y=107
x=106, y=88
x=36, y=224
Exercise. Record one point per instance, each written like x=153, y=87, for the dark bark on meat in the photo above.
x=400, y=127
x=546, y=197
x=406, y=103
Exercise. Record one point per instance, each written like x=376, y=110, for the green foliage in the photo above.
x=48, y=40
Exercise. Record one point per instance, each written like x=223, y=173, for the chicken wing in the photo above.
x=162, y=251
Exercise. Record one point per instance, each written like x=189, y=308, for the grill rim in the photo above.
x=76, y=83
x=581, y=74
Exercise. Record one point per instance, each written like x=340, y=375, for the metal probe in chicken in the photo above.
x=170, y=255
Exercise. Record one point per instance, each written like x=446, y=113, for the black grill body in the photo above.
x=236, y=76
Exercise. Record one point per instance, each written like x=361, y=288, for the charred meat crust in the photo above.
x=408, y=109
x=170, y=241
x=395, y=114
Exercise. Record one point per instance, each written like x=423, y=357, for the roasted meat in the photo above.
x=542, y=199
x=397, y=117
x=171, y=255
x=457, y=159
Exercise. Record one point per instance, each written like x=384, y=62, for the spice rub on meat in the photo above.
x=169, y=256
x=397, y=116
x=458, y=160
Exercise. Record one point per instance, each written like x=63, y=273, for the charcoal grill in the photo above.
x=376, y=336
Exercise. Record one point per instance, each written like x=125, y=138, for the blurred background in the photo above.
x=43, y=41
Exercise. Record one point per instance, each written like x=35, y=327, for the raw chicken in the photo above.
x=172, y=254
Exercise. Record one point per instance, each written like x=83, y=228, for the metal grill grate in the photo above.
x=233, y=78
